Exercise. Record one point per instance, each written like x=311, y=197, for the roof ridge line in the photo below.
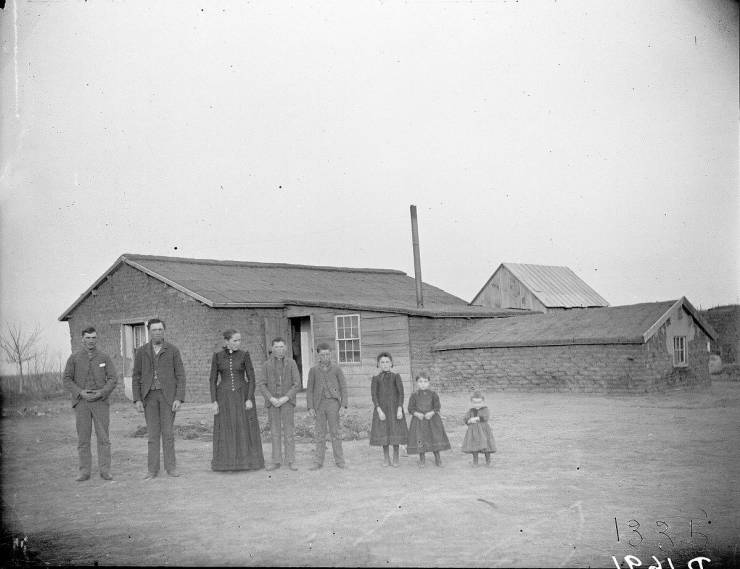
x=258, y=264
x=538, y=265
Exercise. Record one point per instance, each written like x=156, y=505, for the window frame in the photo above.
x=337, y=339
x=680, y=354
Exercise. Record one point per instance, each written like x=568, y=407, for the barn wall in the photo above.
x=193, y=327
x=547, y=368
x=423, y=333
x=660, y=347
x=615, y=368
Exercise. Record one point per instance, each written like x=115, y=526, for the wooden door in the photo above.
x=277, y=327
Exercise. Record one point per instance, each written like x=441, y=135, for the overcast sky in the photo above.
x=598, y=135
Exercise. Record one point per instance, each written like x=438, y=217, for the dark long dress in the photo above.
x=426, y=435
x=479, y=437
x=386, y=390
x=237, y=444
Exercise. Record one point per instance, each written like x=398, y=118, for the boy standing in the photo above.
x=326, y=393
x=279, y=385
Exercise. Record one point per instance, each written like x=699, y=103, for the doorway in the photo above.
x=301, y=335
x=133, y=336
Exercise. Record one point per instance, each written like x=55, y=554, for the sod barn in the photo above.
x=631, y=349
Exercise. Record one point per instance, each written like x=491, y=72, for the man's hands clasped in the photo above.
x=91, y=394
x=279, y=401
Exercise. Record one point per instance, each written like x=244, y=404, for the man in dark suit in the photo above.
x=91, y=377
x=325, y=394
x=158, y=384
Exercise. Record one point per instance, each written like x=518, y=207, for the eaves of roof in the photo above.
x=452, y=312
x=65, y=315
x=540, y=343
x=123, y=259
x=634, y=337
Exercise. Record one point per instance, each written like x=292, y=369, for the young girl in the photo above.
x=389, y=423
x=426, y=432
x=479, y=437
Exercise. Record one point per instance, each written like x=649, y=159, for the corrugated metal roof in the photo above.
x=631, y=324
x=556, y=287
x=234, y=283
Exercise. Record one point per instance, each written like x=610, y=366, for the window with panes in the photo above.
x=348, y=339
x=679, y=351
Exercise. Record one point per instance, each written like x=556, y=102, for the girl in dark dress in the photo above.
x=426, y=432
x=479, y=437
x=237, y=444
x=389, y=422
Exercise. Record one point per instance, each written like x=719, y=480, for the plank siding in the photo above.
x=378, y=332
x=277, y=327
x=504, y=290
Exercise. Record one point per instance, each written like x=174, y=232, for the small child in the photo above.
x=479, y=437
x=426, y=431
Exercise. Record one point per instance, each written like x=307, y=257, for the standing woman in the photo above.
x=389, y=422
x=237, y=444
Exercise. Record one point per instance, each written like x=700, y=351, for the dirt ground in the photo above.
x=573, y=478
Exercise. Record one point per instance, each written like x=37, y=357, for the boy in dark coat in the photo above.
x=326, y=393
x=279, y=385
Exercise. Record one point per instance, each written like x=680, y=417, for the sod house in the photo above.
x=632, y=349
x=361, y=312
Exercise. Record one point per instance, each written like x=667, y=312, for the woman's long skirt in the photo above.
x=237, y=444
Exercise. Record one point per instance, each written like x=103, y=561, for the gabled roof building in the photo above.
x=541, y=288
x=638, y=348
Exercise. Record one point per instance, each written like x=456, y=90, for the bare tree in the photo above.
x=19, y=346
x=39, y=361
